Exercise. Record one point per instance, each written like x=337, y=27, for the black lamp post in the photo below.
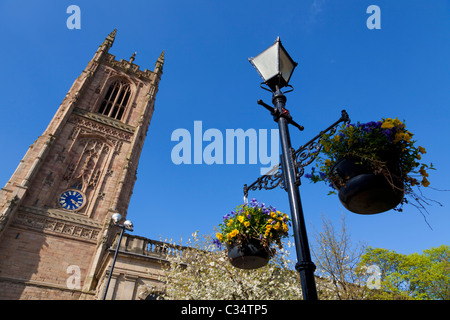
x=127, y=225
x=275, y=66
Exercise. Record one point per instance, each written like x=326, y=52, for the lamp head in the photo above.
x=128, y=225
x=116, y=217
x=274, y=65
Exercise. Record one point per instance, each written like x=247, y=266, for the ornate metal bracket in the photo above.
x=303, y=157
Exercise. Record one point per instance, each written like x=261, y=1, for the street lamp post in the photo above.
x=275, y=66
x=127, y=225
x=304, y=266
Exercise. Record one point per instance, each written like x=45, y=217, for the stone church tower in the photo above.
x=55, y=211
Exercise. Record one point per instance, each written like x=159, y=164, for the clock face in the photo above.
x=72, y=199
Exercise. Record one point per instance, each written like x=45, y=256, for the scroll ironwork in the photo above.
x=303, y=156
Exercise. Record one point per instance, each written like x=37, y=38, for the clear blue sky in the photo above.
x=401, y=70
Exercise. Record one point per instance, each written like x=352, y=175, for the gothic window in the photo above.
x=78, y=185
x=116, y=100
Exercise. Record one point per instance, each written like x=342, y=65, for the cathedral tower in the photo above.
x=55, y=210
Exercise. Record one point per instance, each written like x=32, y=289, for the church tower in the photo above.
x=56, y=209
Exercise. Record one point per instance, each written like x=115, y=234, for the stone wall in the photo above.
x=138, y=268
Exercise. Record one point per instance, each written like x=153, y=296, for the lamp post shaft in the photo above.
x=304, y=266
x=113, y=263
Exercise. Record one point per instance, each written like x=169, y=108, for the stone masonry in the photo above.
x=92, y=145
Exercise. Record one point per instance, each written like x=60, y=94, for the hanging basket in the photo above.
x=248, y=254
x=364, y=192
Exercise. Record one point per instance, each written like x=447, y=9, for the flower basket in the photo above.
x=373, y=165
x=364, y=192
x=250, y=234
x=248, y=254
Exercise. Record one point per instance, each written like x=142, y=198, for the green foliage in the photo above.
x=415, y=276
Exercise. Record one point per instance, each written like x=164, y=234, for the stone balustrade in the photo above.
x=147, y=247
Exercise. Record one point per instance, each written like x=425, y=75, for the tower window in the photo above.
x=77, y=185
x=116, y=100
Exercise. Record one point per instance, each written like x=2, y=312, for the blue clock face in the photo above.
x=72, y=200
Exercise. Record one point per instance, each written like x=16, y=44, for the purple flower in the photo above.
x=308, y=175
x=217, y=243
x=389, y=134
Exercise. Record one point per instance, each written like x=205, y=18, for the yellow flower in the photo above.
x=270, y=220
x=219, y=236
x=273, y=214
x=229, y=222
x=232, y=234
x=241, y=219
x=407, y=136
x=425, y=182
x=387, y=124
x=285, y=227
x=399, y=136
x=422, y=150
x=246, y=223
x=277, y=226
x=423, y=172
x=268, y=227
x=397, y=122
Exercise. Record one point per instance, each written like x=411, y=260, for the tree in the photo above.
x=202, y=272
x=337, y=261
x=414, y=276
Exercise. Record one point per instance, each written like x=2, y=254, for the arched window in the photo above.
x=116, y=100
x=77, y=185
